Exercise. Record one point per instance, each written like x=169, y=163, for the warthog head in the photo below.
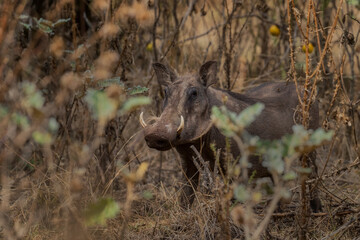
x=186, y=113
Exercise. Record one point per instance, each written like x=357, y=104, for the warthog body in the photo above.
x=185, y=119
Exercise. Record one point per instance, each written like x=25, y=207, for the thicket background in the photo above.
x=75, y=74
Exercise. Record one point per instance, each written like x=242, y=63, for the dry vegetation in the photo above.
x=74, y=74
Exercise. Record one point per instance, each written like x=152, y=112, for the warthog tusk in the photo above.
x=141, y=119
x=181, y=126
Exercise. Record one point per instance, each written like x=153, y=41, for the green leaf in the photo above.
x=353, y=2
x=44, y=25
x=61, y=21
x=42, y=137
x=302, y=170
x=294, y=141
x=73, y=65
x=247, y=116
x=20, y=120
x=102, y=107
x=23, y=17
x=45, y=28
x=110, y=81
x=273, y=158
x=3, y=112
x=241, y=194
x=133, y=103
x=33, y=97
x=230, y=123
x=53, y=125
x=286, y=194
x=289, y=176
x=44, y=21
x=27, y=26
x=221, y=120
x=102, y=210
x=147, y=195
x=137, y=90
x=320, y=136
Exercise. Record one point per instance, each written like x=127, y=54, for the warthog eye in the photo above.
x=166, y=92
x=192, y=93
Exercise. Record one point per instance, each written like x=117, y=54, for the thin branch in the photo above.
x=190, y=8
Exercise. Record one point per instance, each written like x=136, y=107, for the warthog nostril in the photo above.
x=147, y=139
x=157, y=142
x=162, y=142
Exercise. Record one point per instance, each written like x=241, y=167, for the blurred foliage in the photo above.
x=272, y=152
x=32, y=97
x=3, y=112
x=53, y=125
x=133, y=103
x=137, y=90
x=69, y=67
x=102, y=107
x=138, y=175
x=148, y=195
x=20, y=120
x=41, y=24
x=110, y=81
x=231, y=123
x=301, y=141
x=100, y=211
x=42, y=138
x=241, y=193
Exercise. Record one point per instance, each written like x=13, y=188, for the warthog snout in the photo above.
x=157, y=142
x=159, y=137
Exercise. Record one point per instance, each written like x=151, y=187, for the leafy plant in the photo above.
x=32, y=98
x=137, y=90
x=43, y=25
x=110, y=81
x=20, y=120
x=290, y=146
x=134, y=102
x=276, y=156
x=102, y=107
x=42, y=138
x=100, y=211
x=231, y=123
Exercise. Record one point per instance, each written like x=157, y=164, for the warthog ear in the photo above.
x=164, y=74
x=208, y=73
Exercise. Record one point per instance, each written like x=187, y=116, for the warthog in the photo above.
x=185, y=119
